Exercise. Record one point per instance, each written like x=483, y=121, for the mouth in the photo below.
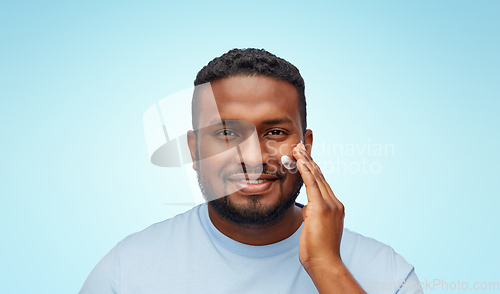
x=248, y=184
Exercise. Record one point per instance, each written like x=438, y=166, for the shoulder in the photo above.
x=371, y=261
x=140, y=251
x=170, y=231
x=356, y=245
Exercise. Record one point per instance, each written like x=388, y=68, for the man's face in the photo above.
x=241, y=138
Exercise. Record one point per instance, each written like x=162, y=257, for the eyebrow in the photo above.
x=277, y=121
x=216, y=121
x=274, y=121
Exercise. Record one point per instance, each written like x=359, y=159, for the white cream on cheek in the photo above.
x=287, y=162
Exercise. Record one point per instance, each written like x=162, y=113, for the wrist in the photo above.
x=332, y=266
x=333, y=277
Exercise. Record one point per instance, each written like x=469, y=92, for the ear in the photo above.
x=191, y=140
x=308, y=140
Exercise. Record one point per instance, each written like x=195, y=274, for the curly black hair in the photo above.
x=249, y=62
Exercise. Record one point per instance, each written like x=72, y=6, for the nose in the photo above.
x=251, y=155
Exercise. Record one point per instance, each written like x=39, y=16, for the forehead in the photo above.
x=251, y=98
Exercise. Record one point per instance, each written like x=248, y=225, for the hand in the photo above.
x=319, y=248
x=323, y=217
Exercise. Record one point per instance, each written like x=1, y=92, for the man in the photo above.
x=249, y=121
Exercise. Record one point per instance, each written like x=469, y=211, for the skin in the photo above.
x=259, y=99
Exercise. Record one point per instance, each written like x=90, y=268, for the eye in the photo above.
x=276, y=133
x=226, y=133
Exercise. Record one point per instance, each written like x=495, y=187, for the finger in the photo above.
x=317, y=169
x=327, y=194
x=320, y=175
x=301, y=154
x=311, y=174
x=313, y=190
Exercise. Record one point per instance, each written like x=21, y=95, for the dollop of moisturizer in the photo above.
x=287, y=162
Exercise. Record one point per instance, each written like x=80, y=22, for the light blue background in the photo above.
x=76, y=78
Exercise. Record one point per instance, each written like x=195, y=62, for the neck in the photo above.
x=273, y=232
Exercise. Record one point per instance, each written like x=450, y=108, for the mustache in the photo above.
x=265, y=171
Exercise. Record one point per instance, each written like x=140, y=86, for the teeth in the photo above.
x=253, y=182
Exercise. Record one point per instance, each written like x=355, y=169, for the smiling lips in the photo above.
x=254, y=184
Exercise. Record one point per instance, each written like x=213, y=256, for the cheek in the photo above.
x=211, y=149
x=286, y=149
x=274, y=151
x=213, y=160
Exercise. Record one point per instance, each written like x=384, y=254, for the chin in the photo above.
x=253, y=211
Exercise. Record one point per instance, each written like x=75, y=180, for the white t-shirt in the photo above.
x=187, y=254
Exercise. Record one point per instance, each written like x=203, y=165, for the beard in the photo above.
x=253, y=213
